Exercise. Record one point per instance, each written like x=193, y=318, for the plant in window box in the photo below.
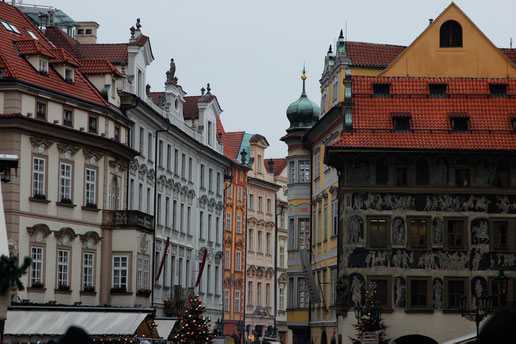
x=91, y=205
x=89, y=289
x=63, y=287
x=66, y=201
x=37, y=285
x=118, y=290
x=39, y=196
x=143, y=292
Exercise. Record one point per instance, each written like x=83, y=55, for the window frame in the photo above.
x=68, y=123
x=466, y=293
x=94, y=130
x=511, y=236
x=429, y=292
x=70, y=181
x=371, y=278
x=428, y=220
x=84, y=266
x=387, y=220
x=43, y=173
x=95, y=185
x=66, y=267
x=465, y=232
x=34, y=262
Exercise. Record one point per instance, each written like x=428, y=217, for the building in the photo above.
x=64, y=208
x=425, y=177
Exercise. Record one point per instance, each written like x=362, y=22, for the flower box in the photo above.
x=143, y=292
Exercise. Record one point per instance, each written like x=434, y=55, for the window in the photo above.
x=268, y=294
x=437, y=90
x=167, y=213
x=176, y=162
x=258, y=294
x=239, y=224
x=381, y=90
x=65, y=182
x=9, y=27
x=182, y=218
x=402, y=176
x=149, y=147
x=302, y=300
x=230, y=190
x=503, y=174
x=216, y=280
x=36, y=267
x=401, y=124
x=202, y=177
x=281, y=305
x=226, y=300
x=120, y=270
x=228, y=222
x=348, y=119
x=304, y=171
x=455, y=234
x=209, y=227
x=454, y=288
x=38, y=177
x=378, y=232
x=190, y=169
x=140, y=197
x=41, y=110
x=251, y=201
x=450, y=35
x=43, y=67
x=382, y=172
x=210, y=133
x=325, y=224
x=188, y=219
x=259, y=246
x=92, y=124
x=250, y=240
x=334, y=218
x=228, y=260
x=90, y=187
x=500, y=239
x=88, y=31
x=250, y=293
x=260, y=201
x=208, y=279
x=210, y=180
x=240, y=194
x=80, y=31
x=292, y=174
x=187, y=270
x=160, y=152
x=158, y=214
x=63, y=268
x=333, y=286
x=498, y=90
x=418, y=232
x=142, y=138
x=459, y=124
x=461, y=176
x=68, y=117
x=149, y=200
x=419, y=292
x=169, y=157
x=268, y=243
x=282, y=256
x=237, y=301
x=183, y=166
x=69, y=75
x=317, y=167
x=382, y=291
x=238, y=261
x=422, y=169
x=498, y=300
x=259, y=164
x=139, y=274
x=180, y=271
x=218, y=185
x=201, y=224
x=269, y=210
x=304, y=233
x=88, y=264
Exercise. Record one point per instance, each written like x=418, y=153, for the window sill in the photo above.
x=66, y=205
x=39, y=200
x=63, y=292
x=36, y=290
x=90, y=209
x=419, y=310
x=87, y=293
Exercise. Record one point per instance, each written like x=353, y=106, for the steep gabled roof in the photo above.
x=372, y=54
x=19, y=69
x=114, y=52
x=99, y=66
x=157, y=98
x=191, y=107
x=279, y=165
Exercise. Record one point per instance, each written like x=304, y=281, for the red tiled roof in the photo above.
x=279, y=165
x=20, y=69
x=62, y=56
x=113, y=52
x=60, y=39
x=489, y=118
x=372, y=54
x=158, y=98
x=99, y=66
x=32, y=47
x=234, y=140
x=510, y=53
x=292, y=134
x=191, y=109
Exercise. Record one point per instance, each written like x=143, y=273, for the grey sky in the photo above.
x=252, y=53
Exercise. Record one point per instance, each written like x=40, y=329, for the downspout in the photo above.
x=310, y=248
x=275, y=259
x=155, y=206
x=245, y=269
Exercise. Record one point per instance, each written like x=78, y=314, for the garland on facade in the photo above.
x=193, y=327
x=370, y=319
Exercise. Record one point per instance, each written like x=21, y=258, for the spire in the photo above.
x=341, y=35
x=330, y=50
x=303, y=77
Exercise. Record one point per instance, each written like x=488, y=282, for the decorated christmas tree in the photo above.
x=370, y=318
x=193, y=327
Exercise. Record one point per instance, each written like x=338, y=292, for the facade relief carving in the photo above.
x=478, y=286
x=357, y=283
x=479, y=231
x=437, y=231
x=398, y=231
x=400, y=287
x=355, y=230
x=437, y=295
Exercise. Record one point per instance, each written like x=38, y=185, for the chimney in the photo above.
x=271, y=166
x=86, y=32
x=430, y=21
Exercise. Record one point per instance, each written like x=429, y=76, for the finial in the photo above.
x=138, y=25
x=341, y=35
x=147, y=89
x=202, y=91
x=171, y=78
x=303, y=77
x=243, y=155
x=132, y=32
x=330, y=50
x=208, y=89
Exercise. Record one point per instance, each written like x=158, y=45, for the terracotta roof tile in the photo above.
x=234, y=140
x=62, y=56
x=157, y=98
x=372, y=54
x=32, y=46
x=510, y=53
x=191, y=108
x=490, y=125
x=114, y=52
x=279, y=165
x=99, y=66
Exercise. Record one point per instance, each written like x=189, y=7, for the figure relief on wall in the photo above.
x=480, y=231
x=437, y=231
x=478, y=286
x=342, y=291
x=437, y=299
x=398, y=231
x=355, y=230
x=400, y=287
x=482, y=173
x=357, y=289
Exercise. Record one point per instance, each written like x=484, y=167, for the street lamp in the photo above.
x=481, y=311
x=358, y=313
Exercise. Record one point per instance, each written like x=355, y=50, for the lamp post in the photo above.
x=481, y=311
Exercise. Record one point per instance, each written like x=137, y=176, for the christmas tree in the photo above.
x=370, y=318
x=193, y=327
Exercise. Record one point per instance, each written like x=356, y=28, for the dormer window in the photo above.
x=41, y=110
x=9, y=27
x=450, y=35
x=498, y=90
x=437, y=90
x=92, y=124
x=43, y=67
x=381, y=90
x=117, y=134
x=80, y=31
x=31, y=34
x=88, y=31
x=68, y=117
x=401, y=123
x=69, y=75
x=459, y=123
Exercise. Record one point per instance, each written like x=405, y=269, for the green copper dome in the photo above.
x=302, y=113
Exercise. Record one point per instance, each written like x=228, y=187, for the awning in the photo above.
x=165, y=326
x=23, y=322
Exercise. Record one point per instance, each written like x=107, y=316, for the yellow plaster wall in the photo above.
x=477, y=58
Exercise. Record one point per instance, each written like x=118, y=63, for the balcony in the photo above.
x=130, y=219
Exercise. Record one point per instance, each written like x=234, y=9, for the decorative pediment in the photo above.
x=67, y=150
x=191, y=193
x=162, y=180
x=218, y=256
x=203, y=199
x=90, y=239
x=118, y=165
x=41, y=143
x=91, y=156
x=65, y=235
x=228, y=240
x=269, y=271
x=282, y=277
x=325, y=195
x=177, y=187
x=133, y=166
x=333, y=190
x=251, y=220
x=184, y=190
x=212, y=203
x=220, y=205
x=151, y=175
x=239, y=243
x=39, y=232
x=260, y=271
x=251, y=269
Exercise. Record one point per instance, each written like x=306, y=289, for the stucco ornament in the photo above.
x=38, y=236
x=93, y=160
x=67, y=154
x=65, y=239
x=89, y=243
x=144, y=243
x=41, y=148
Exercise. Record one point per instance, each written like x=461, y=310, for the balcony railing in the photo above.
x=127, y=219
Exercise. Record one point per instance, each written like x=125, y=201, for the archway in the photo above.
x=413, y=339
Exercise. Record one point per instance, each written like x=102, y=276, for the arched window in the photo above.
x=450, y=35
x=422, y=172
x=382, y=172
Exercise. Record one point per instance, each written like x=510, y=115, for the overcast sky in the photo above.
x=252, y=52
